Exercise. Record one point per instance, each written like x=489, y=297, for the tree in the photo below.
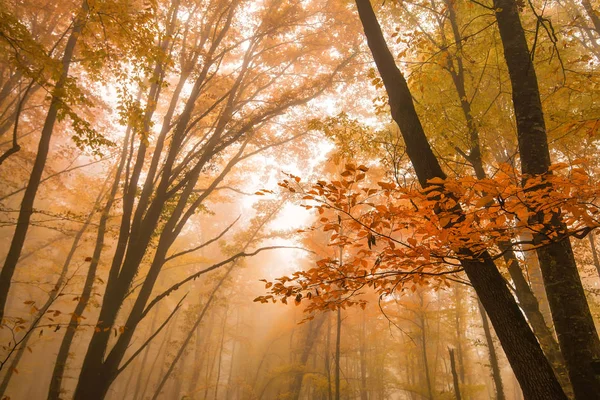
x=42, y=154
x=65, y=96
x=574, y=324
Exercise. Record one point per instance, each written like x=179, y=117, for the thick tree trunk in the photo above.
x=495, y=367
x=572, y=318
x=520, y=345
x=26, y=209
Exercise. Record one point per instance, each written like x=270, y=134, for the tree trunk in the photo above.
x=454, y=374
x=327, y=361
x=26, y=209
x=496, y=376
x=220, y=358
x=520, y=345
x=314, y=327
x=423, y=328
x=338, y=338
x=572, y=318
x=458, y=299
x=530, y=306
x=96, y=367
x=363, y=360
x=198, y=358
x=232, y=358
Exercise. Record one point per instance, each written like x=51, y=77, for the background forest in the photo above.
x=416, y=181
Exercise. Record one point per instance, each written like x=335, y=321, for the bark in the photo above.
x=520, y=344
x=26, y=209
x=495, y=367
x=572, y=318
x=454, y=374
